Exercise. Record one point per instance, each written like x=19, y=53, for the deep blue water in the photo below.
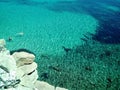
x=109, y=20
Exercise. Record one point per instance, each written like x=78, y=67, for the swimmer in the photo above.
x=10, y=39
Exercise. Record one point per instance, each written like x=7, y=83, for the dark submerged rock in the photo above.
x=44, y=75
x=88, y=68
x=66, y=49
x=108, y=53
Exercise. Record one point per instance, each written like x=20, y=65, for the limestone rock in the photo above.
x=28, y=68
x=8, y=62
x=58, y=88
x=2, y=42
x=2, y=45
x=19, y=73
x=40, y=85
x=23, y=58
x=29, y=80
x=19, y=87
x=7, y=70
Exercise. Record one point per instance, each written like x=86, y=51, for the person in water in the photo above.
x=10, y=39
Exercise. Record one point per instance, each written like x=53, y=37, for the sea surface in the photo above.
x=49, y=27
x=50, y=24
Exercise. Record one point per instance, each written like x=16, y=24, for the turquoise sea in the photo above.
x=76, y=42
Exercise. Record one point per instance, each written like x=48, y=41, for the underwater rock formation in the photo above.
x=19, y=71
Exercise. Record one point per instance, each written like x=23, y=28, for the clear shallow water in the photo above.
x=53, y=24
x=45, y=31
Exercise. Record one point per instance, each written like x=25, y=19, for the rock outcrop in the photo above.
x=19, y=71
x=23, y=58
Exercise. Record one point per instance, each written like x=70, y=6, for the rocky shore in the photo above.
x=19, y=71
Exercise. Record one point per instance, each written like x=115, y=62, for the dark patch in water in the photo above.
x=55, y=68
x=108, y=53
x=109, y=25
x=44, y=75
x=88, y=68
x=66, y=49
x=20, y=50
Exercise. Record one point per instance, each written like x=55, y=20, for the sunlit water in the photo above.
x=45, y=26
x=45, y=31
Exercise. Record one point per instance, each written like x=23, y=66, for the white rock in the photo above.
x=19, y=73
x=20, y=66
x=11, y=89
x=5, y=51
x=2, y=42
x=28, y=68
x=7, y=70
x=23, y=88
x=2, y=45
x=23, y=58
x=29, y=80
x=20, y=88
x=8, y=62
x=59, y=88
x=40, y=85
